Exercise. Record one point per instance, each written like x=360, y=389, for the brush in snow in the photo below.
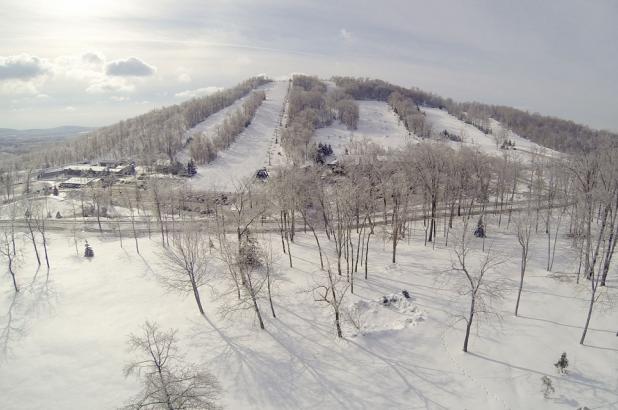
x=562, y=364
x=548, y=387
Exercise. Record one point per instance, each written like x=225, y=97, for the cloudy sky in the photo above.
x=93, y=62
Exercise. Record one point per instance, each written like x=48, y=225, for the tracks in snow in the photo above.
x=462, y=369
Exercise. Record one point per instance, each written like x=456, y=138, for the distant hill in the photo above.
x=57, y=132
x=15, y=142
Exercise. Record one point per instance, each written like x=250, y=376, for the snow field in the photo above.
x=377, y=124
x=67, y=348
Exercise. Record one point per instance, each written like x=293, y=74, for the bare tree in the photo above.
x=30, y=223
x=474, y=282
x=606, y=196
x=269, y=266
x=10, y=255
x=168, y=382
x=186, y=266
x=40, y=226
x=129, y=203
x=250, y=265
x=332, y=292
x=524, y=231
x=247, y=271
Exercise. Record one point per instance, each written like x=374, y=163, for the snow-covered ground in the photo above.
x=252, y=148
x=67, y=333
x=377, y=124
x=441, y=120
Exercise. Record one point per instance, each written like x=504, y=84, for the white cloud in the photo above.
x=130, y=67
x=184, y=78
x=22, y=67
x=69, y=108
x=244, y=60
x=345, y=34
x=110, y=85
x=119, y=98
x=18, y=88
x=93, y=58
x=197, y=92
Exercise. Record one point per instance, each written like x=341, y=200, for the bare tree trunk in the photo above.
x=9, y=257
x=317, y=241
x=287, y=241
x=44, y=242
x=367, y=250
x=524, y=258
x=469, y=325
x=32, y=237
x=133, y=227
x=196, y=294
x=249, y=285
x=268, y=288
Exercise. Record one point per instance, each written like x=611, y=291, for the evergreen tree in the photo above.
x=479, y=232
x=191, y=168
x=88, y=252
x=55, y=191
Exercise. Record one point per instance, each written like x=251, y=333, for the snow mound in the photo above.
x=390, y=312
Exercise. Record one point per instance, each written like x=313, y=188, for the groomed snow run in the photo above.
x=251, y=149
x=210, y=124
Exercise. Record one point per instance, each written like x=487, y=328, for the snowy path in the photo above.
x=251, y=149
x=377, y=124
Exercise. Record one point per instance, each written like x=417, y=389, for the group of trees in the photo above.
x=312, y=106
x=437, y=185
x=409, y=113
x=25, y=223
x=204, y=147
x=345, y=107
x=307, y=110
x=147, y=137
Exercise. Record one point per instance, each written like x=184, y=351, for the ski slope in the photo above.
x=210, y=124
x=66, y=347
x=377, y=124
x=251, y=149
x=441, y=120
